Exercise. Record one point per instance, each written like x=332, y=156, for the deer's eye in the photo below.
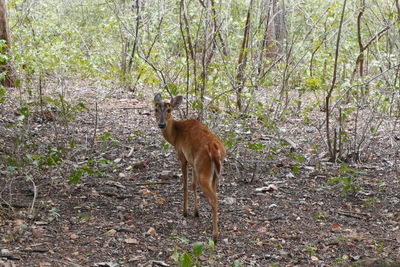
x=169, y=110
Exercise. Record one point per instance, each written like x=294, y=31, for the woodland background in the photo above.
x=304, y=94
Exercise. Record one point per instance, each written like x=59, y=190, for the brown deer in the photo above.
x=194, y=144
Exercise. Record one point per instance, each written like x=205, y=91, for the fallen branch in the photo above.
x=357, y=215
x=151, y=183
x=36, y=250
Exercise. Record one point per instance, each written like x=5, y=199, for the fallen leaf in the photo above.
x=140, y=164
x=116, y=184
x=160, y=200
x=144, y=191
x=37, y=233
x=111, y=232
x=73, y=236
x=95, y=193
x=260, y=243
x=151, y=231
x=166, y=175
x=262, y=229
x=248, y=209
x=153, y=248
x=131, y=241
x=269, y=188
x=19, y=222
x=137, y=258
x=229, y=200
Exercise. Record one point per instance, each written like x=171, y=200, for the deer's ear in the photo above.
x=176, y=101
x=157, y=98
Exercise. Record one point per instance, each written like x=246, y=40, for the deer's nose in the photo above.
x=161, y=125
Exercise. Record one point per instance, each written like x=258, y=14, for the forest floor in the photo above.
x=275, y=205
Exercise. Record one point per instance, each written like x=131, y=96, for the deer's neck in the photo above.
x=169, y=132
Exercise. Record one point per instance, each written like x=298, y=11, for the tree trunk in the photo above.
x=243, y=59
x=278, y=12
x=269, y=40
x=5, y=35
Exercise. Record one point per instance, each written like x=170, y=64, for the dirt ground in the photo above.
x=275, y=205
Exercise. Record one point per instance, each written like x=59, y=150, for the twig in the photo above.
x=132, y=149
x=95, y=129
x=254, y=173
x=34, y=195
x=238, y=170
x=273, y=218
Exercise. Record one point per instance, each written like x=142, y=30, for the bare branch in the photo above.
x=332, y=152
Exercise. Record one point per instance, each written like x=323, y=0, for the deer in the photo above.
x=196, y=145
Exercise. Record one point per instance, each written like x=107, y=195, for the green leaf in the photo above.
x=346, y=169
x=2, y=94
x=114, y=142
x=75, y=176
x=236, y=263
x=344, y=180
x=346, y=188
x=297, y=156
x=185, y=260
x=255, y=146
x=72, y=143
x=211, y=245
x=81, y=106
x=105, y=135
x=296, y=167
x=175, y=256
x=24, y=111
x=370, y=201
x=3, y=58
x=87, y=169
x=197, y=249
x=173, y=88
